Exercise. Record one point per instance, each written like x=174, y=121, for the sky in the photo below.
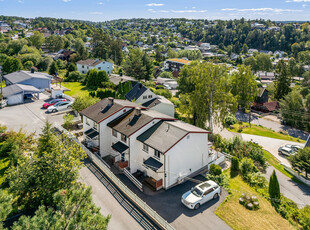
x=103, y=10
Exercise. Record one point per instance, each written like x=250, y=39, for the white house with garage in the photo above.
x=83, y=66
x=146, y=142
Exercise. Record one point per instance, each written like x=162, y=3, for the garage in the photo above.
x=17, y=93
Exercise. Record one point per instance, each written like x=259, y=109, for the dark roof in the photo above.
x=136, y=92
x=262, y=90
x=91, y=133
x=153, y=163
x=151, y=103
x=102, y=110
x=130, y=122
x=21, y=76
x=19, y=88
x=165, y=134
x=120, y=147
x=90, y=62
x=308, y=142
x=116, y=79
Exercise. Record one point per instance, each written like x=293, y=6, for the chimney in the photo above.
x=137, y=111
x=110, y=101
x=32, y=70
x=168, y=127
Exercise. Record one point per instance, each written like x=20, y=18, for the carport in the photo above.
x=16, y=93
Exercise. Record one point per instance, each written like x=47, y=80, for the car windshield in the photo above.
x=53, y=101
x=58, y=104
x=197, y=192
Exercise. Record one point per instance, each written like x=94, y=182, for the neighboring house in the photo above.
x=270, y=76
x=40, y=81
x=17, y=93
x=173, y=84
x=161, y=104
x=116, y=79
x=143, y=141
x=266, y=107
x=175, y=64
x=263, y=96
x=140, y=94
x=83, y=66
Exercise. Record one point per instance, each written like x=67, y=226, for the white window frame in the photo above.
x=145, y=148
x=87, y=121
x=123, y=138
x=114, y=133
x=155, y=154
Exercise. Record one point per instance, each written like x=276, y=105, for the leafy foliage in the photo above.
x=82, y=102
x=274, y=187
x=301, y=161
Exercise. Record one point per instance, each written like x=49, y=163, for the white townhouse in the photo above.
x=142, y=95
x=83, y=66
x=145, y=141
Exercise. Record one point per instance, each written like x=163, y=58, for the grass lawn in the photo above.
x=4, y=165
x=238, y=217
x=262, y=131
x=76, y=89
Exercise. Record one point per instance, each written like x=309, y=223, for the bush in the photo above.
x=68, y=121
x=257, y=180
x=234, y=169
x=247, y=167
x=230, y=120
x=222, y=180
x=215, y=170
x=274, y=187
x=73, y=76
x=163, y=92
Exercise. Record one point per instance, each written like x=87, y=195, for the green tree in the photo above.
x=74, y=76
x=245, y=49
x=205, y=93
x=301, y=161
x=28, y=65
x=73, y=209
x=274, y=187
x=263, y=62
x=45, y=63
x=82, y=102
x=5, y=206
x=11, y=65
x=53, y=68
x=234, y=169
x=34, y=180
x=37, y=39
x=166, y=74
x=251, y=61
x=244, y=86
x=47, y=139
x=71, y=67
x=282, y=81
x=54, y=43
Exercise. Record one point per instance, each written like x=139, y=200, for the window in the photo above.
x=114, y=133
x=123, y=138
x=87, y=121
x=87, y=67
x=145, y=148
x=83, y=72
x=157, y=154
x=95, y=126
x=150, y=96
x=82, y=67
x=99, y=68
x=144, y=97
x=208, y=191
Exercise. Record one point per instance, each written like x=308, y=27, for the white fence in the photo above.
x=121, y=186
x=295, y=174
x=133, y=179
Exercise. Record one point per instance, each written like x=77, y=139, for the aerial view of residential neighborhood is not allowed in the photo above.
x=161, y=115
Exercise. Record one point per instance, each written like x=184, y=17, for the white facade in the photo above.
x=145, y=97
x=15, y=99
x=106, y=66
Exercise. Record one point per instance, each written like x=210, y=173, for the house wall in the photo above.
x=88, y=124
x=114, y=140
x=15, y=99
x=106, y=66
x=186, y=157
x=164, y=108
x=136, y=148
x=106, y=133
x=38, y=83
x=145, y=97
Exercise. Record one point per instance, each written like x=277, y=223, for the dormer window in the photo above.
x=123, y=138
x=144, y=97
x=150, y=96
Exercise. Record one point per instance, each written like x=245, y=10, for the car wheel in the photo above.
x=197, y=206
x=215, y=196
x=54, y=110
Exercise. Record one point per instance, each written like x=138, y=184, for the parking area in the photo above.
x=168, y=205
x=29, y=116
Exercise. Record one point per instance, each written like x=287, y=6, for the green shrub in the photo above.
x=215, y=170
x=257, y=179
x=230, y=120
x=222, y=180
x=68, y=121
x=73, y=76
x=247, y=167
x=274, y=187
x=234, y=169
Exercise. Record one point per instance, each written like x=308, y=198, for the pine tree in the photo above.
x=274, y=187
x=53, y=69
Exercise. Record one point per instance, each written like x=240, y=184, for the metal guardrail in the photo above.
x=133, y=179
x=121, y=186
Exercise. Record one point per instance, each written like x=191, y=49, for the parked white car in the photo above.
x=286, y=151
x=60, y=106
x=294, y=147
x=201, y=194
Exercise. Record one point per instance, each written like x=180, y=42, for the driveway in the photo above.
x=168, y=205
x=272, y=122
x=271, y=145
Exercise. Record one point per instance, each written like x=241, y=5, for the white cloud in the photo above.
x=66, y=0
x=297, y=0
x=100, y=3
x=96, y=13
x=155, y=4
x=273, y=10
x=20, y=1
x=176, y=11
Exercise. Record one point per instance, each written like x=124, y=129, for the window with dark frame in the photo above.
x=145, y=148
x=114, y=133
x=123, y=138
x=157, y=154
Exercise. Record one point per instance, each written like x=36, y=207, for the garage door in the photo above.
x=15, y=99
